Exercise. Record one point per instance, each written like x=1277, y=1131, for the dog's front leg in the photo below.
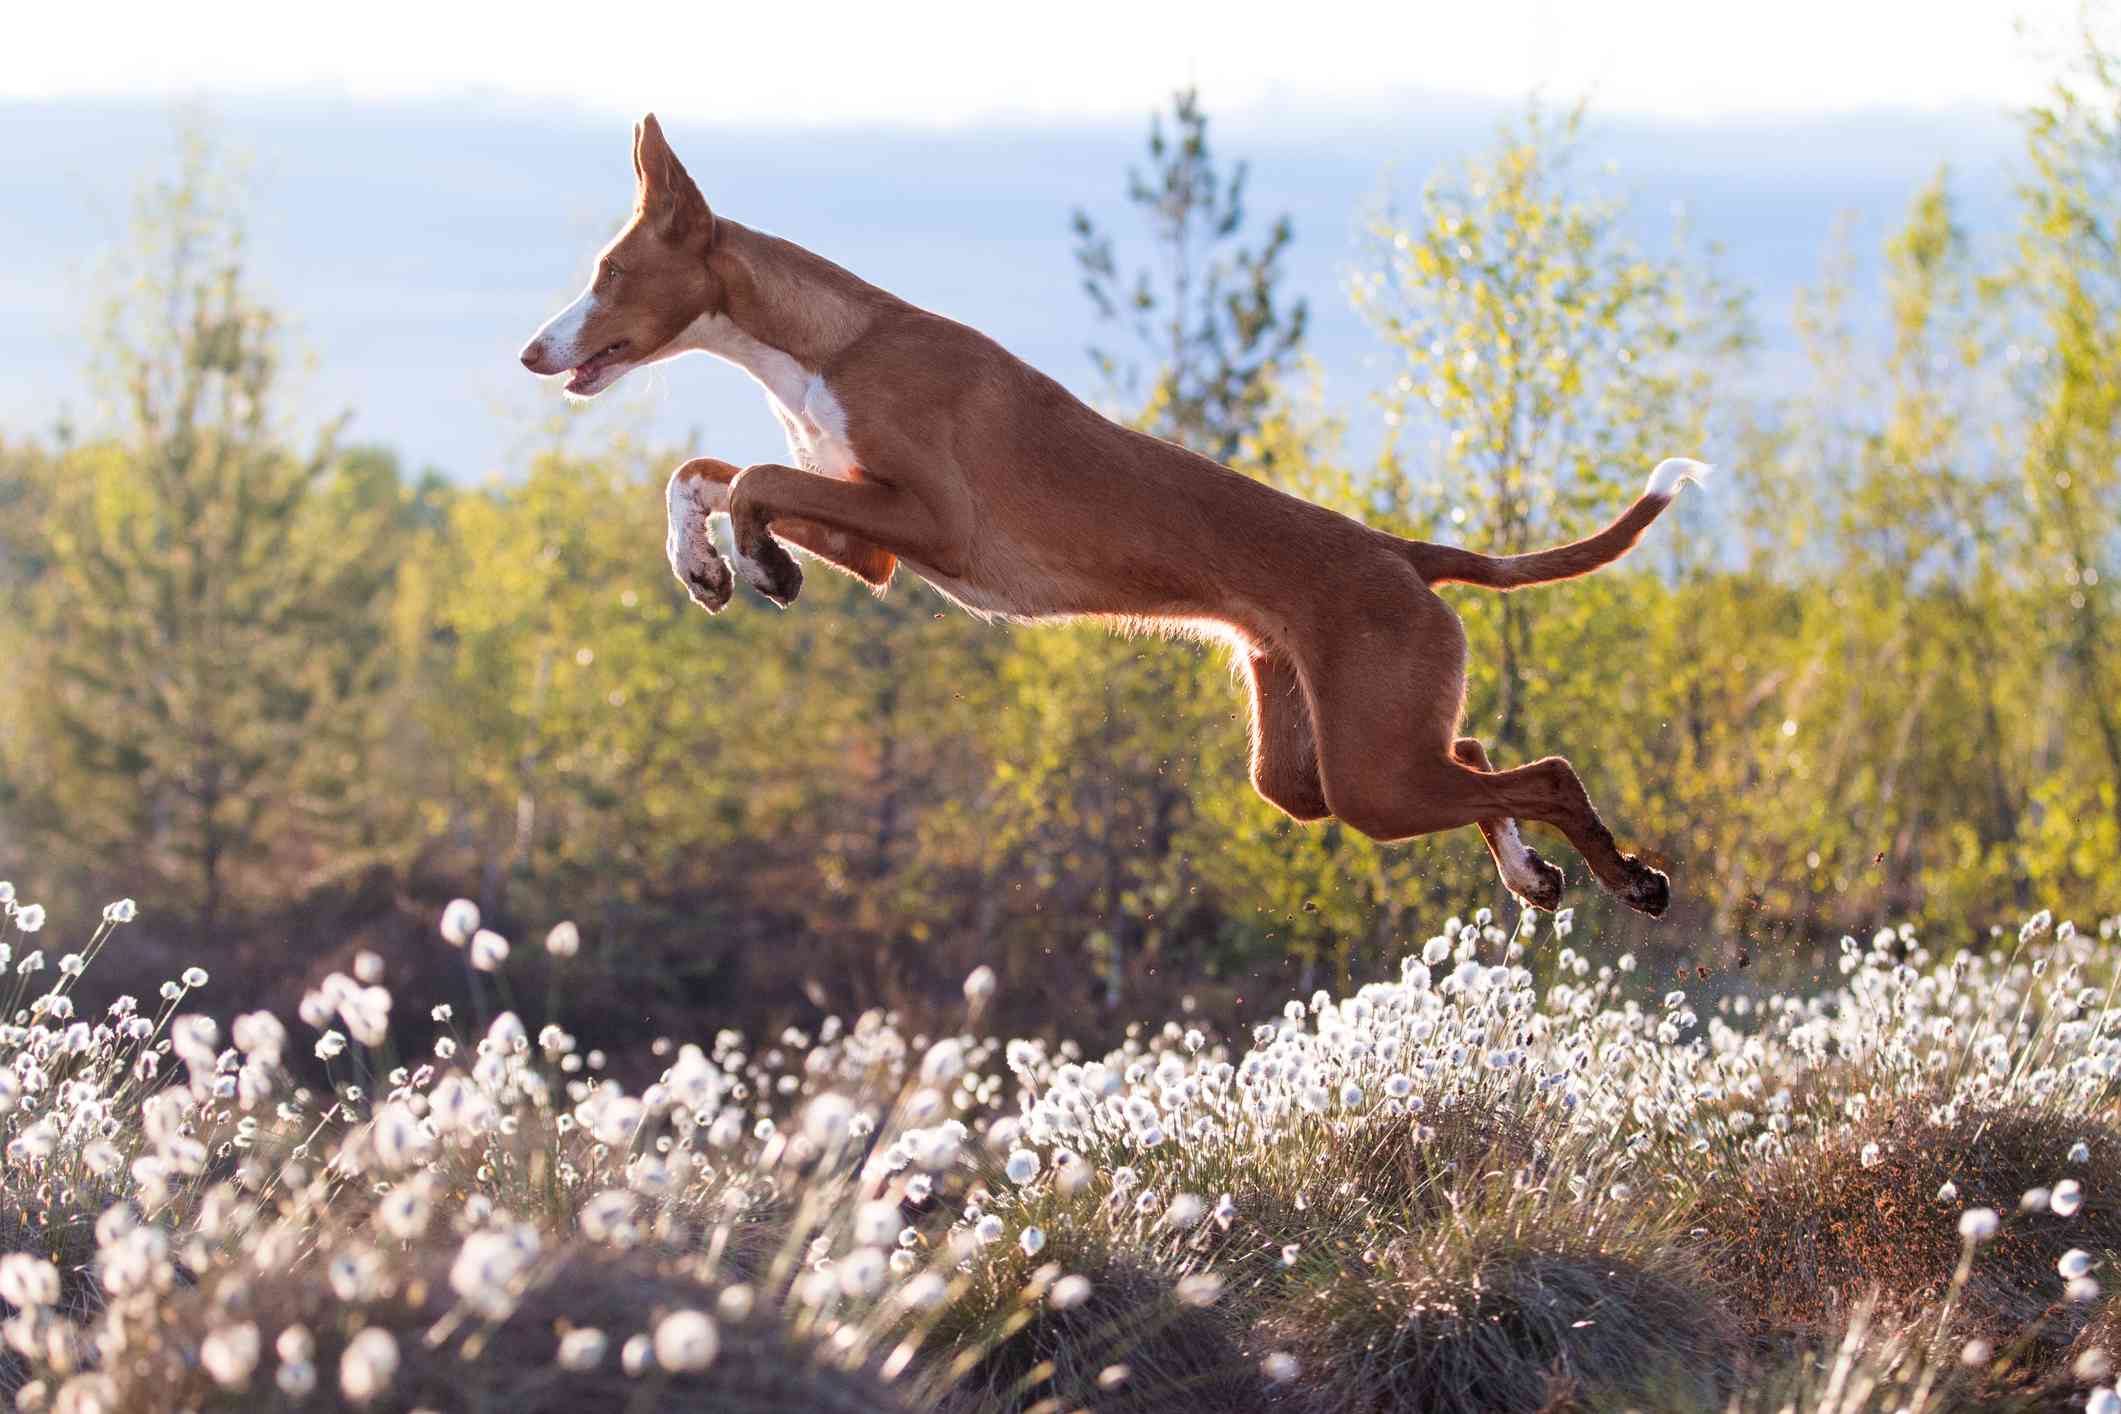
x=695, y=493
x=769, y=500
x=700, y=488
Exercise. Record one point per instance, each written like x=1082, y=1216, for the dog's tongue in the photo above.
x=587, y=370
x=583, y=373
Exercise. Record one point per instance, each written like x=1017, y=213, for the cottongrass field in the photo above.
x=1455, y=1190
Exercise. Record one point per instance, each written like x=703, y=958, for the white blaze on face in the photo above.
x=562, y=335
x=562, y=346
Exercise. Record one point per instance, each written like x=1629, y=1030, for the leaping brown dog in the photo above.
x=918, y=440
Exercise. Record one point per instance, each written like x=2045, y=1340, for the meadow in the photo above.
x=1448, y=1189
x=866, y=1007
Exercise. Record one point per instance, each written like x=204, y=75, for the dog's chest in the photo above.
x=812, y=417
x=816, y=425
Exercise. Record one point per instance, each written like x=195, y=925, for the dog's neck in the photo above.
x=782, y=297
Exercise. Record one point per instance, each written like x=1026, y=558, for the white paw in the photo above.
x=688, y=542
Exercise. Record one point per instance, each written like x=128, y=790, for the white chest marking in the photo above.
x=812, y=417
x=825, y=423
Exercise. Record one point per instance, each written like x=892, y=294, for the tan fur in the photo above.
x=995, y=484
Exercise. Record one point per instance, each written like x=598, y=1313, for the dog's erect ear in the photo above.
x=663, y=190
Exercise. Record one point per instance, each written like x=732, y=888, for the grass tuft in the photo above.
x=1465, y=1189
x=1874, y=1209
x=1509, y=1302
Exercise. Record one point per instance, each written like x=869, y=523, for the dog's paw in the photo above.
x=1648, y=890
x=771, y=570
x=1542, y=883
x=689, y=544
x=709, y=585
x=698, y=565
x=1524, y=872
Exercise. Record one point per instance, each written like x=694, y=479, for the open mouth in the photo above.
x=585, y=374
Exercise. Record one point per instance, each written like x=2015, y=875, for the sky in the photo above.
x=776, y=65
x=431, y=180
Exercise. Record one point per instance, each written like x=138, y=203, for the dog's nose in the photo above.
x=533, y=354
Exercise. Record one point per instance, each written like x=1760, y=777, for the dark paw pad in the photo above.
x=710, y=592
x=774, y=573
x=1546, y=893
x=1650, y=891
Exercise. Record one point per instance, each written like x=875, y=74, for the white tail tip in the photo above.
x=1664, y=481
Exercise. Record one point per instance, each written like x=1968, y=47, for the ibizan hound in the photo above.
x=917, y=439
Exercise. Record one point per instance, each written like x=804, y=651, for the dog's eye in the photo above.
x=609, y=272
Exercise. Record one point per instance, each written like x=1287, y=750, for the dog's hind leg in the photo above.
x=1385, y=674
x=1523, y=872
x=1284, y=747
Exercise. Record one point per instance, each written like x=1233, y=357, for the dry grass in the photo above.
x=1463, y=1190
x=1328, y=1194
x=496, y=1367
x=1820, y=1230
x=1132, y=1346
x=1508, y=1302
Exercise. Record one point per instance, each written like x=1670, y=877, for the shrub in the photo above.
x=1454, y=1190
x=1136, y=1341
x=1875, y=1208
x=1511, y=1301
x=511, y=1363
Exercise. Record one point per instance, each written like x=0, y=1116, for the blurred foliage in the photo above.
x=1872, y=671
x=1208, y=312
x=206, y=608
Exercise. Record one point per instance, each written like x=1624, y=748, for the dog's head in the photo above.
x=645, y=288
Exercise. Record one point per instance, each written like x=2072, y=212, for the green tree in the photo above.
x=1548, y=364
x=579, y=723
x=2066, y=279
x=24, y=475
x=210, y=612
x=607, y=750
x=1101, y=744
x=1208, y=311
x=1918, y=531
x=1857, y=765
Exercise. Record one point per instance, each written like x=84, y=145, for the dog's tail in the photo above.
x=1450, y=564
